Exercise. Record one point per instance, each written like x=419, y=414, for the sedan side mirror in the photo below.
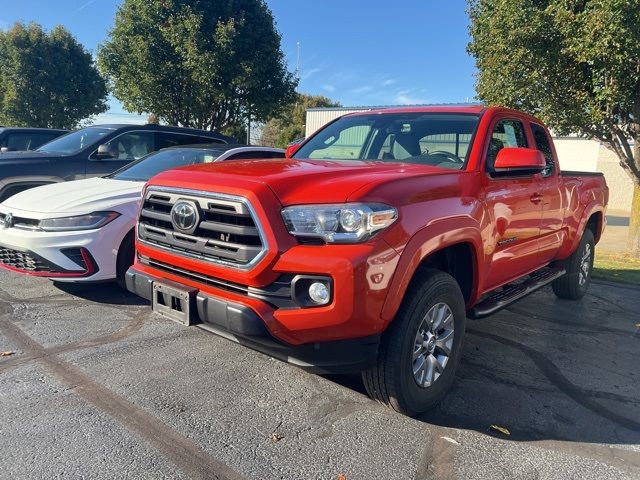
x=105, y=152
x=520, y=160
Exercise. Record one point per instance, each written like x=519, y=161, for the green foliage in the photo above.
x=290, y=126
x=47, y=79
x=573, y=63
x=198, y=63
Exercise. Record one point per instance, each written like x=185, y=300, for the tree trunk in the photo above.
x=634, y=223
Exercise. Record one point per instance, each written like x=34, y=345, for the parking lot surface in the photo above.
x=96, y=386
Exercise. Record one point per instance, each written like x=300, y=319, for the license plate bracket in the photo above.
x=175, y=302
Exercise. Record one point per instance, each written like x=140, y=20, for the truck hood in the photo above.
x=294, y=181
x=71, y=198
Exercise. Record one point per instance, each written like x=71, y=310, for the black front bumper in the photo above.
x=241, y=324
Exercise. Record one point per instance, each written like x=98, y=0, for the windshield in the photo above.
x=145, y=168
x=437, y=139
x=74, y=142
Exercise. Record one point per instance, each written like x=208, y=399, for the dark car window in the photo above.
x=167, y=139
x=18, y=141
x=131, y=145
x=151, y=165
x=542, y=143
x=506, y=133
x=38, y=139
x=255, y=154
x=77, y=141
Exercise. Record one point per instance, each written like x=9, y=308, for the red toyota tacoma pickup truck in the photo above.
x=372, y=244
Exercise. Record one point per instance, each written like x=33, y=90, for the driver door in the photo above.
x=515, y=208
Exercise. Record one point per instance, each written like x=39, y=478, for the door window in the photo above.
x=131, y=146
x=18, y=141
x=506, y=133
x=542, y=143
x=166, y=139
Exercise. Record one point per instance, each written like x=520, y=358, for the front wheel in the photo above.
x=420, y=350
x=579, y=265
x=125, y=258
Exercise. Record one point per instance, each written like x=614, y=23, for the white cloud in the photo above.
x=405, y=97
x=329, y=88
x=362, y=89
x=305, y=74
x=85, y=5
x=389, y=81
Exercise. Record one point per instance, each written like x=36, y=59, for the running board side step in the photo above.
x=512, y=292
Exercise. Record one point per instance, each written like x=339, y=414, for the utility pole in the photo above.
x=298, y=66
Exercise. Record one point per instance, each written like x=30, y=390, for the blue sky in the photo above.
x=359, y=52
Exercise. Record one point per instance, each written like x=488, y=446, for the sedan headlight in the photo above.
x=344, y=223
x=81, y=222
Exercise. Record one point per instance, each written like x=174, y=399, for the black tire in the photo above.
x=574, y=285
x=391, y=381
x=126, y=254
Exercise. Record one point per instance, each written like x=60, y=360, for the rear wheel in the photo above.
x=125, y=257
x=420, y=350
x=579, y=265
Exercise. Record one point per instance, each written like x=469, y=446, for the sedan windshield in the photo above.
x=74, y=142
x=437, y=139
x=145, y=168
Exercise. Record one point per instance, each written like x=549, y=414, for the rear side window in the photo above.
x=18, y=141
x=507, y=133
x=176, y=139
x=542, y=143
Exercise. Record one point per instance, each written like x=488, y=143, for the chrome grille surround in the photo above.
x=198, y=246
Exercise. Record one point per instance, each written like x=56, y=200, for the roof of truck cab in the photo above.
x=455, y=108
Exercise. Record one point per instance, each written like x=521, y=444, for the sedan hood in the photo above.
x=77, y=197
x=294, y=181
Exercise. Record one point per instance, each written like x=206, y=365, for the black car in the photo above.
x=92, y=152
x=20, y=138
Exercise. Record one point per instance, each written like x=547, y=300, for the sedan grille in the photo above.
x=22, y=261
x=224, y=229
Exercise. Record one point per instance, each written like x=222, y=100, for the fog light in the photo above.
x=319, y=293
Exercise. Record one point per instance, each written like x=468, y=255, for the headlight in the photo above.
x=81, y=222
x=345, y=223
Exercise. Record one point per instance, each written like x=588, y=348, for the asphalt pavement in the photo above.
x=96, y=386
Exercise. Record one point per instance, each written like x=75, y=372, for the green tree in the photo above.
x=573, y=63
x=210, y=64
x=280, y=131
x=47, y=79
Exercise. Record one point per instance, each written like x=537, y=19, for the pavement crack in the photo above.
x=555, y=376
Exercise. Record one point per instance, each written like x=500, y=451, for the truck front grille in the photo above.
x=225, y=231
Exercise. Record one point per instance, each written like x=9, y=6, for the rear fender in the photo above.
x=575, y=232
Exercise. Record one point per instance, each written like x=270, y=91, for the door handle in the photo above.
x=536, y=198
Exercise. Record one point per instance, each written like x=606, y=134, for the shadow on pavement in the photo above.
x=549, y=369
x=109, y=293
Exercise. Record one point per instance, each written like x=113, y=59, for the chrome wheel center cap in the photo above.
x=430, y=344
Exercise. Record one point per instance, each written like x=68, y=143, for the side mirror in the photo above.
x=520, y=160
x=292, y=149
x=104, y=152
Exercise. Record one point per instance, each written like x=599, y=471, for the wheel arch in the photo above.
x=457, y=251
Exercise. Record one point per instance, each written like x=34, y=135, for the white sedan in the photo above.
x=83, y=231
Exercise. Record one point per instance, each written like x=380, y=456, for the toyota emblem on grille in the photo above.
x=8, y=221
x=184, y=216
